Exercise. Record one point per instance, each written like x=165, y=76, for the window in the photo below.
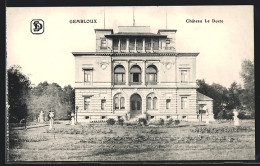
x=184, y=75
x=139, y=43
x=115, y=44
x=152, y=102
x=184, y=102
x=168, y=102
x=149, y=103
x=103, y=44
x=119, y=75
x=131, y=44
x=103, y=102
x=168, y=117
x=119, y=102
x=156, y=44
x=86, y=117
x=116, y=103
x=148, y=44
x=103, y=117
x=88, y=75
x=168, y=44
x=123, y=44
x=151, y=74
x=155, y=103
x=122, y=103
x=87, y=103
x=135, y=74
x=152, y=117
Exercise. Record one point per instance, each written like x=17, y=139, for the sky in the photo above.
x=48, y=56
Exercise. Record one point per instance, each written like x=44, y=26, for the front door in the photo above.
x=136, y=105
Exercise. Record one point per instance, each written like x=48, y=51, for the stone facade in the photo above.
x=135, y=73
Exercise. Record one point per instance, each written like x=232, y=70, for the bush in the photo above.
x=161, y=121
x=111, y=121
x=176, y=122
x=170, y=121
x=142, y=121
x=120, y=121
x=242, y=115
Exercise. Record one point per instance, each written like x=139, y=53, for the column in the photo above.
x=119, y=46
x=127, y=45
x=128, y=68
x=143, y=44
x=151, y=44
x=127, y=73
x=144, y=72
x=135, y=45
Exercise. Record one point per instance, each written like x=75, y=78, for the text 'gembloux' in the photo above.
x=83, y=21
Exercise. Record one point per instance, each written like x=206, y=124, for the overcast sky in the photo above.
x=222, y=46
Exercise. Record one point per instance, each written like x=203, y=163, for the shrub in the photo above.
x=170, y=121
x=161, y=121
x=243, y=115
x=111, y=121
x=176, y=122
x=120, y=121
x=142, y=121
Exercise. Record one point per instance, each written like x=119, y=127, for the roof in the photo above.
x=167, y=30
x=201, y=97
x=104, y=30
x=133, y=54
x=135, y=34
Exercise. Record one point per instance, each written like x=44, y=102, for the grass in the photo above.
x=101, y=142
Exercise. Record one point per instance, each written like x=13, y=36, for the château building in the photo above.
x=135, y=73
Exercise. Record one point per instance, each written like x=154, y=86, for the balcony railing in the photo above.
x=135, y=83
x=151, y=83
x=168, y=48
x=119, y=83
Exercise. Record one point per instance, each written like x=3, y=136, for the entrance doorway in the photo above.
x=135, y=105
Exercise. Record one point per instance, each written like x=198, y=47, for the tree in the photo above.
x=233, y=96
x=217, y=92
x=46, y=96
x=247, y=97
x=18, y=89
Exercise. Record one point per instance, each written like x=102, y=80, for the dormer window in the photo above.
x=115, y=44
x=123, y=44
x=155, y=44
x=168, y=42
x=103, y=44
x=139, y=43
x=148, y=44
x=131, y=44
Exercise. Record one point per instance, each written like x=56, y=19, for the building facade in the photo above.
x=135, y=73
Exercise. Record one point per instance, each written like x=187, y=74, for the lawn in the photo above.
x=102, y=142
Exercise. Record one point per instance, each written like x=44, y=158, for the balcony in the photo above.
x=151, y=83
x=119, y=83
x=135, y=83
x=169, y=48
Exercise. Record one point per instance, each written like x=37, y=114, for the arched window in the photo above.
x=119, y=75
x=155, y=103
x=149, y=103
x=116, y=103
x=135, y=74
x=122, y=103
x=119, y=102
x=152, y=102
x=151, y=74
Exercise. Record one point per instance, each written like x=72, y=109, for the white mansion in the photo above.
x=136, y=73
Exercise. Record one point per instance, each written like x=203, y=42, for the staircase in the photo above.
x=135, y=117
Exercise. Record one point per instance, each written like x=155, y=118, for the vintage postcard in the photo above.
x=135, y=83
